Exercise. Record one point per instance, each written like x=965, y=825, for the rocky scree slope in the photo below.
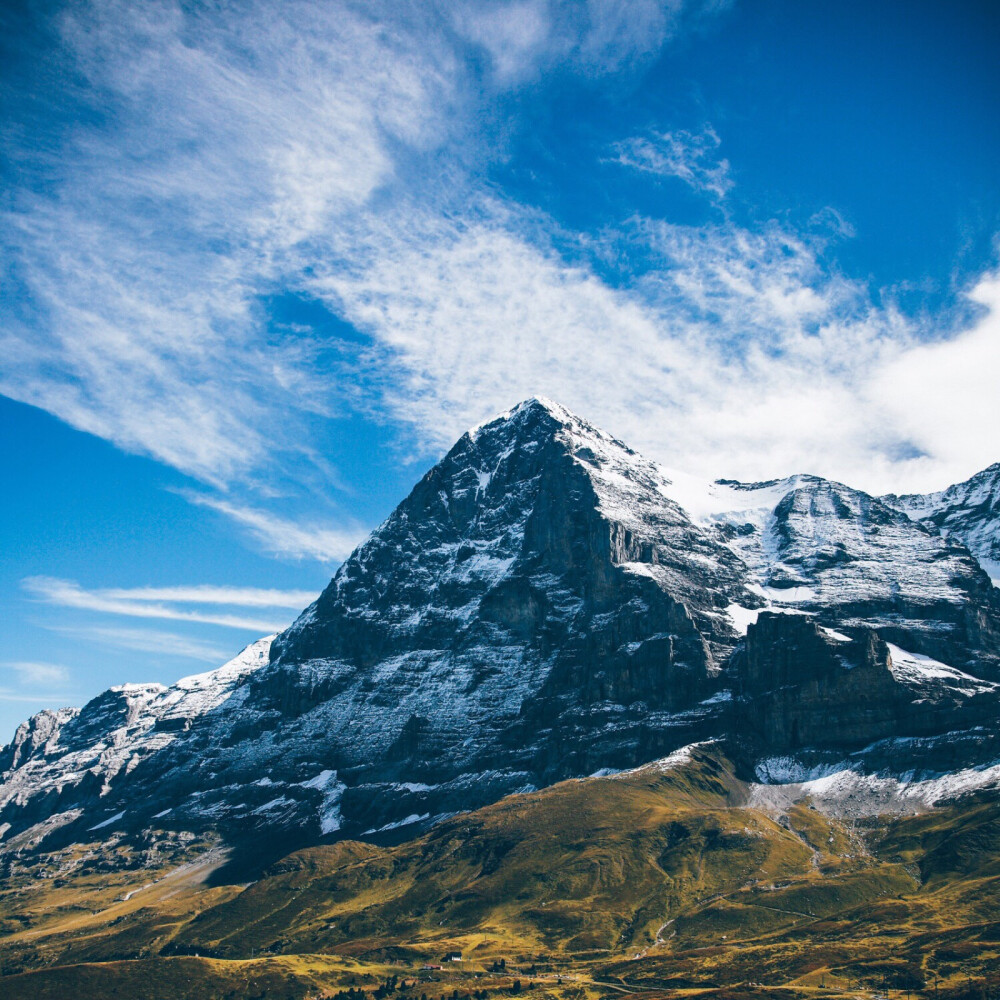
x=547, y=604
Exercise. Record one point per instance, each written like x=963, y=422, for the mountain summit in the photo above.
x=547, y=604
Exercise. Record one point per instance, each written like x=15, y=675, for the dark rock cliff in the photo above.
x=803, y=686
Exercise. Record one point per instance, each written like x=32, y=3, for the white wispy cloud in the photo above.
x=40, y=701
x=526, y=37
x=43, y=674
x=244, y=597
x=285, y=537
x=514, y=34
x=215, y=155
x=238, y=134
x=942, y=396
x=137, y=604
x=148, y=640
x=223, y=154
x=735, y=352
x=689, y=156
x=228, y=146
x=37, y=683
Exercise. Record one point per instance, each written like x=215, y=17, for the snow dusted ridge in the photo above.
x=678, y=758
x=919, y=670
x=817, y=547
x=809, y=541
x=844, y=792
x=548, y=604
x=836, y=789
x=969, y=511
x=55, y=752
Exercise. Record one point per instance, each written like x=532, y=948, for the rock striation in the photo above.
x=805, y=686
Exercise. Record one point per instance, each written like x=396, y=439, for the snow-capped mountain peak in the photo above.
x=544, y=604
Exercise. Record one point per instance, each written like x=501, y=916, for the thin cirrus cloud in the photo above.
x=226, y=148
x=215, y=154
x=36, y=682
x=13, y=697
x=147, y=640
x=221, y=155
x=725, y=335
x=284, y=537
x=246, y=597
x=525, y=37
x=41, y=674
x=138, y=317
x=147, y=602
x=689, y=156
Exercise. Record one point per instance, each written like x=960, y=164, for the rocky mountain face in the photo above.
x=803, y=686
x=968, y=511
x=60, y=763
x=853, y=561
x=548, y=604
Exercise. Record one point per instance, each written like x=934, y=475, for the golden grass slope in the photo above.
x=662, y=879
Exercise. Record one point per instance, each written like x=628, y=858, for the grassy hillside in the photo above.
x=660, y=880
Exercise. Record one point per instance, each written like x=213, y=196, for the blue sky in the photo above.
x=260, y=264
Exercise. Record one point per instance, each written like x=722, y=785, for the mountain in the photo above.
x=968, y=511
x=547, y=604
x=58, y=762
x=845, y=557
x=860, y=584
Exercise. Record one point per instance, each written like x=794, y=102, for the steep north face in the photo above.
x=548, y=604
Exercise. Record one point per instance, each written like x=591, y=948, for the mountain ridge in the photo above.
x=970, y=510
x=544, y=604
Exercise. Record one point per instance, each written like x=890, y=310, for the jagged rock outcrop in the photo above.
x=536, y=584
x=801, y=685
x=69, y=763
x=546, y=604
x=35, y=737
